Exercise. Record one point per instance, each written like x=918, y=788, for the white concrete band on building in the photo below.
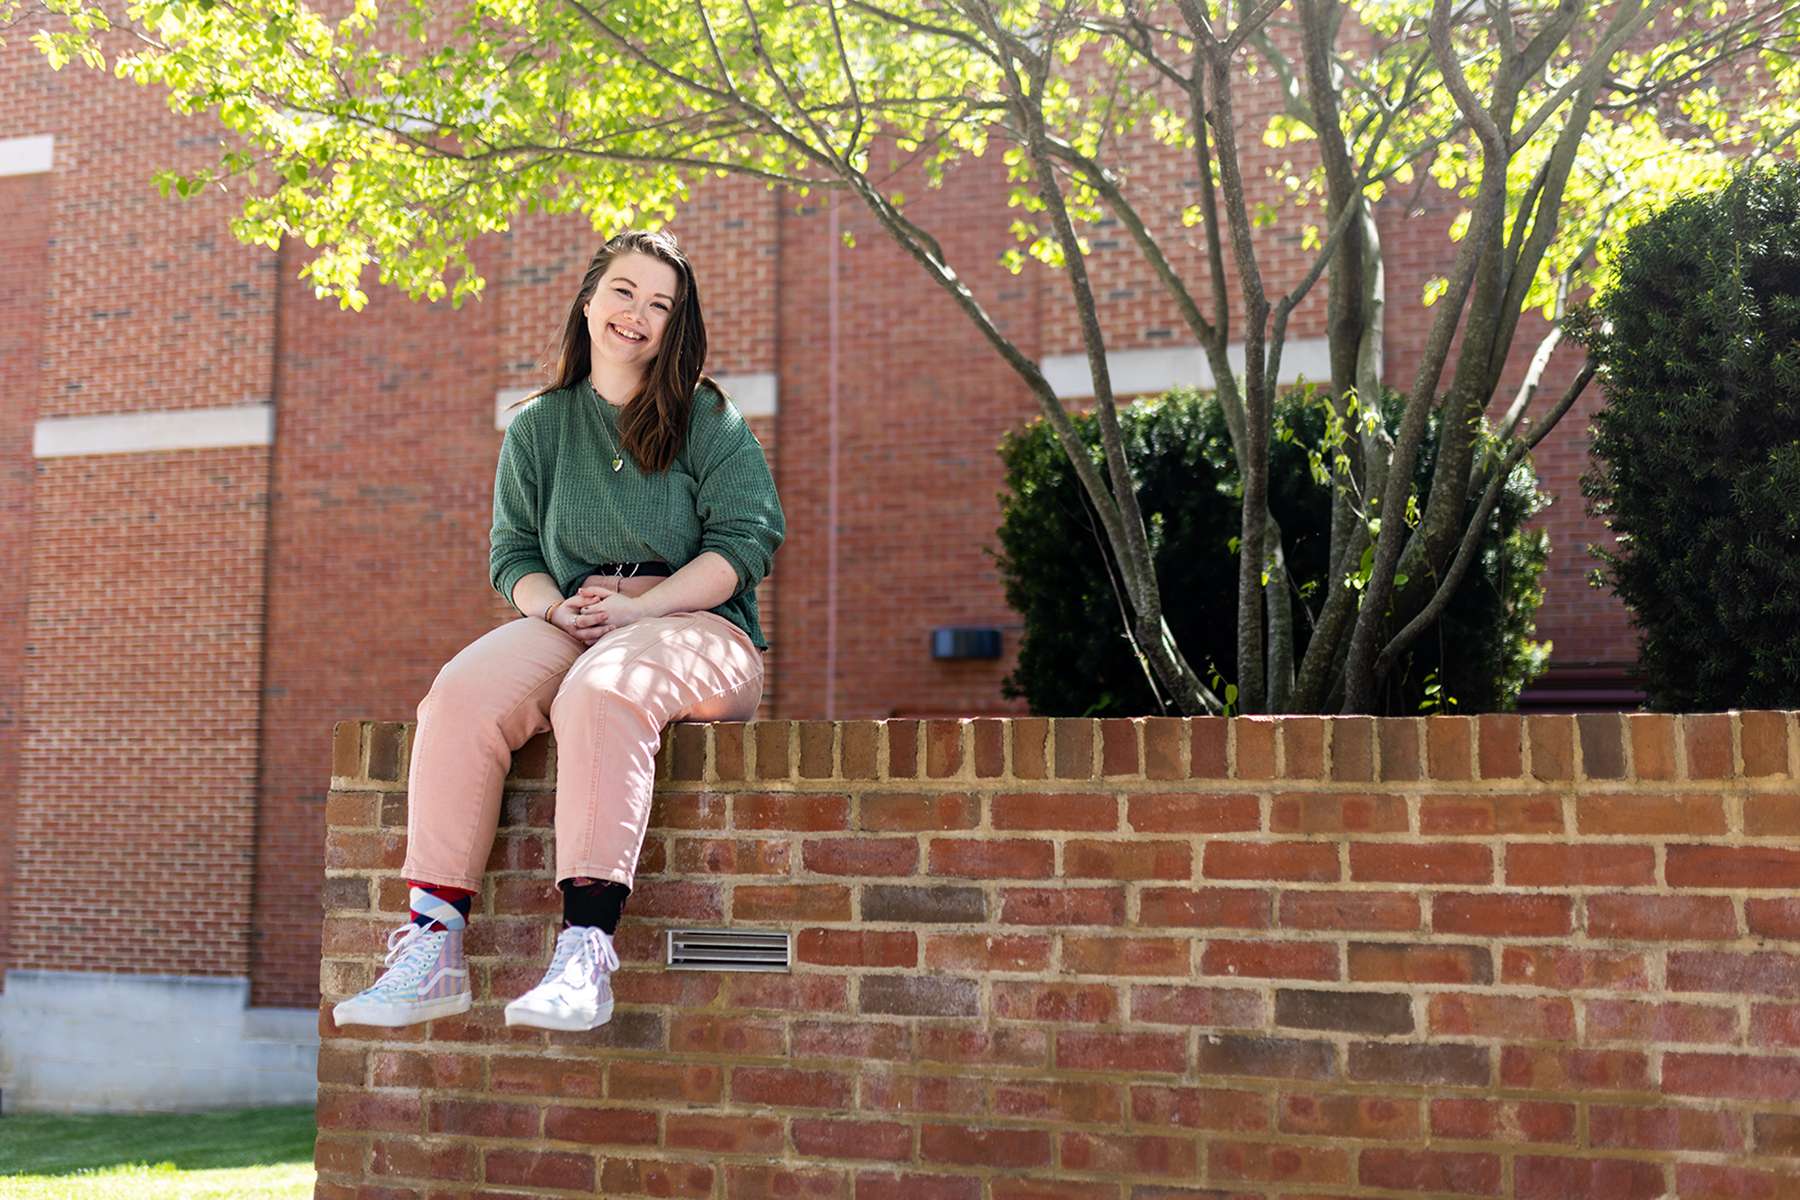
x=75, y=1041
x=754, y=395
x=27, y=155
x=1150, y=372
x=137, y=433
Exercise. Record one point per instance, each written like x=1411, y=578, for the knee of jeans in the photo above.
x=589, y=694
x=463, y=687
x=448, y=682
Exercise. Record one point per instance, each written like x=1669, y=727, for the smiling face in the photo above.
x=628, y=312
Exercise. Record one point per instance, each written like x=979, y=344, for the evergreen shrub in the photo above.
x=1075, y=658
x=1696, y=456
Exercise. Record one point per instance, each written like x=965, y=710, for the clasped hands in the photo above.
x=594, y=611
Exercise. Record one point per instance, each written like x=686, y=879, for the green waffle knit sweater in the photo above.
x=560, y=508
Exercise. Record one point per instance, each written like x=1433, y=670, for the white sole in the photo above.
x=394, y=1016
x=562, y=1022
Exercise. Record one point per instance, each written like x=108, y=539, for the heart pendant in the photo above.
x=617, y=463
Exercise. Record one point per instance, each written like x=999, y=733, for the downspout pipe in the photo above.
x=831, y=484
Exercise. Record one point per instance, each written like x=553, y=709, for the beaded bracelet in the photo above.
x=552, y=609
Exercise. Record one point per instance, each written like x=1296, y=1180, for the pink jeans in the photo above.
x=607, y=703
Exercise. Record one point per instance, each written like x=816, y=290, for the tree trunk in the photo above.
x=1280, y=602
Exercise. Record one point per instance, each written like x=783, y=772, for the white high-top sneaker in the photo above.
x=427, y=977
x=576, y=991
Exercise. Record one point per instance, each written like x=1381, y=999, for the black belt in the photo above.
x=630, y=569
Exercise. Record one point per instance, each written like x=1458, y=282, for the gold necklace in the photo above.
x=618, y=458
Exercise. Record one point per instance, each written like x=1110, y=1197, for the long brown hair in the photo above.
x=654, y=424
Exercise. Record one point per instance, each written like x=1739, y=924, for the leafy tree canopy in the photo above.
x=394, y=132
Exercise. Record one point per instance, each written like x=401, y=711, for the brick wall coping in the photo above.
x=1589, y=749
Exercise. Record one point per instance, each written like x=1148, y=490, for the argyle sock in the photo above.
x=435, y=907
x=593, y=902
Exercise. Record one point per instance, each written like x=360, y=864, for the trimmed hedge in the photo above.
x=1696, y=457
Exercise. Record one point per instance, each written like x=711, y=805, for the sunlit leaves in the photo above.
x=390, y=136
x=1666, y=124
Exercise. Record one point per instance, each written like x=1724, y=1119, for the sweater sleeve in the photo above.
x=515, y=547
x=740, y=515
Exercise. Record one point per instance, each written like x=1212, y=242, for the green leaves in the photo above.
x=392, y=135
x=1663, y=126
x=1073, y=659
x=1697, y=454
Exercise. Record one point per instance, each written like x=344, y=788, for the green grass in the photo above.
x=256, y=1154
x=165, y=1182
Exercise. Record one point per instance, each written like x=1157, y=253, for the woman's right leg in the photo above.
x=486, y=703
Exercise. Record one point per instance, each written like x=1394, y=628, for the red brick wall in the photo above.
x=24, y=248
x=112, y=790
x=1538, y=957
x=142, y=635
x=1586, y=623
x=923, y=402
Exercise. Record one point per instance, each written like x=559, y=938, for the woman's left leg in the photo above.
x=608, y=718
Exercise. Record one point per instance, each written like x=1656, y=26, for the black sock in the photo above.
x=593, y=902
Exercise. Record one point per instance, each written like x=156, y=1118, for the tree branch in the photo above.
x=1359, y=681
x=1465, y=553
x=837, y=37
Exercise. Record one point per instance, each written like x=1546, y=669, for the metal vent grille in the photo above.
x=730, y=950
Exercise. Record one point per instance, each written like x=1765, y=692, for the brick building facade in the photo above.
x=232, y=514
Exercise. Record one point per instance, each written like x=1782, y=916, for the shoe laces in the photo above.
x=580, y=958
x=410, y=952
